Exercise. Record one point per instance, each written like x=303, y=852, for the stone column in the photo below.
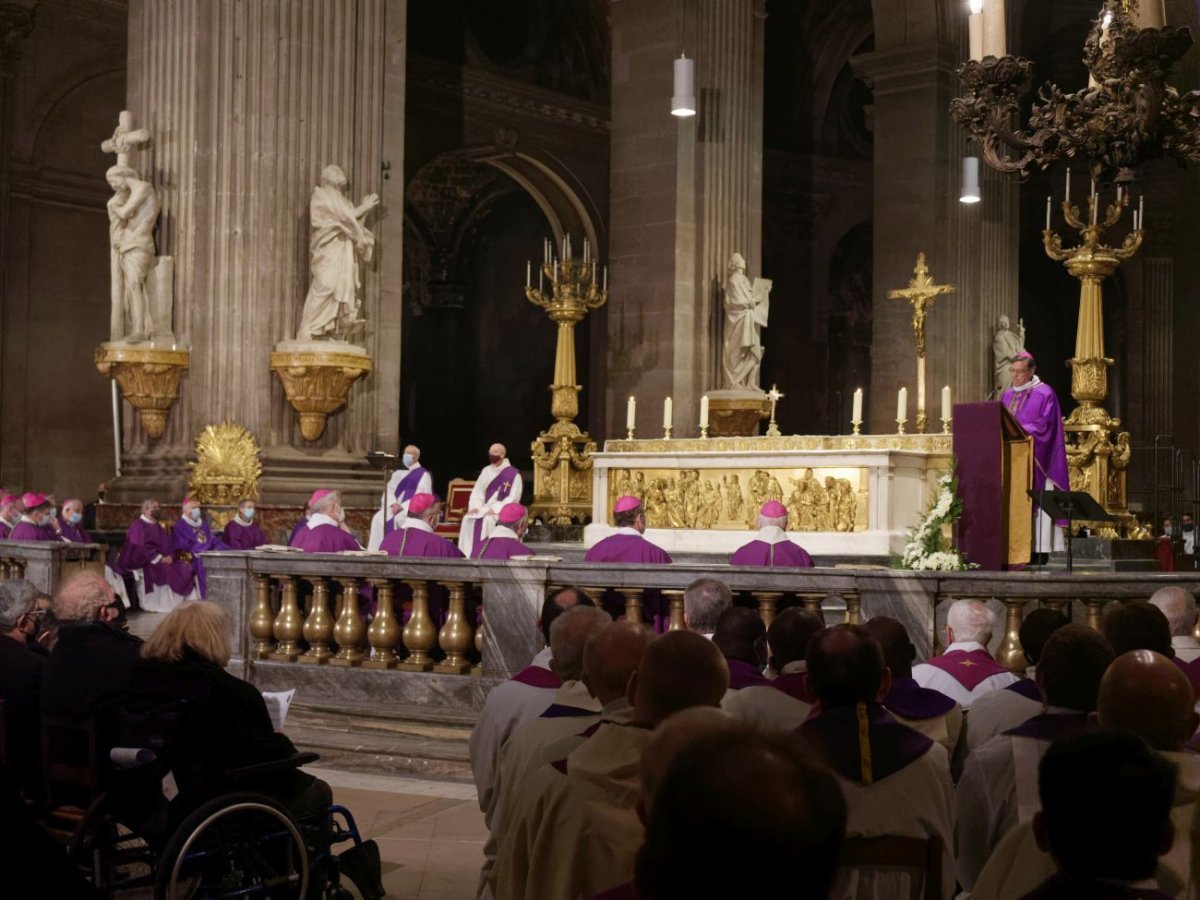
x=16, y=21
x=246, y=102
x=686, y=193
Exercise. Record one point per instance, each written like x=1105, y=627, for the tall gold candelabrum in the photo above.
x=1097, y=450
x=562, y=455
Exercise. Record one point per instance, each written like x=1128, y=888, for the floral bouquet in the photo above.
x=927, y=549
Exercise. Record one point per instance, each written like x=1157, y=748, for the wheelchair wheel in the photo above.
x=236, y=845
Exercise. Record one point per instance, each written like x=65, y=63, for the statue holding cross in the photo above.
x=921, y=292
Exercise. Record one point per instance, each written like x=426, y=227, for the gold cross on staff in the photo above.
x=921, y=292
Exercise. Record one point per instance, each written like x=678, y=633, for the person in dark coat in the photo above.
x=20, y=685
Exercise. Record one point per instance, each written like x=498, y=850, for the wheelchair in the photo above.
x=148, y=823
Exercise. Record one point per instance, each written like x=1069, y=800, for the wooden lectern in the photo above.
x=995, y=473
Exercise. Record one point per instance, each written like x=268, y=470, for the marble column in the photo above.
x=246, y=102
x=686, y=194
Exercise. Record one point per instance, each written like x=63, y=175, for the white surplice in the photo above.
x=466, y=535
x=943, y=682
x=996, y=713
x=769, y=707
x=424, y=486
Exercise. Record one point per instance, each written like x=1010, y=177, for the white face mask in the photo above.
x=341, y=515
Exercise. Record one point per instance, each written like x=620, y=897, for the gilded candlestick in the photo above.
x=900, y=426
x=946, y=426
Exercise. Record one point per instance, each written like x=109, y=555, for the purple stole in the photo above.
x=796, y=686
x=911, y=701
x=562, y=711
x=1051, y=726
x=1027, y=688
x=863, y=742
x=536, y=676
x=405, y=489
x=75, y=533
x=970, y=669
x=503, y=480
x=743, y=675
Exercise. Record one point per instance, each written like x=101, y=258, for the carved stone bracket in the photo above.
x=148, y=377
x=317, y=381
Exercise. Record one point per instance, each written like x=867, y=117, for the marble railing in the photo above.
x=47, y=564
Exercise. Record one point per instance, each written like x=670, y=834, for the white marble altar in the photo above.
x=848, y=496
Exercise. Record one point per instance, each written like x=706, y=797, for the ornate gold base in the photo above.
x=736, y=413
x=1098, y=455
x=148, y=377
x=562, y=474
x=316, y=380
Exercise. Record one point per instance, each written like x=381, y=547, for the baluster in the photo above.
x=1094, y=612
x=349, y=632
x=768, y=604
x=3, y=570
x=1011, y=654
x=1196, y=630
x=633, y=605
x=262, y=622
x=812, y=603
x=676, y=622
x=455, y=636
x=938, y=646
x=478, y=668
x=419, y=633
x=16, y=568
x=384, y=632
x=853, y=607
x=1059, y=606
x=289, y=623
x=318, y=627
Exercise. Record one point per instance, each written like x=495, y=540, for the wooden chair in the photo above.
x=920, y=857
x=458, y=499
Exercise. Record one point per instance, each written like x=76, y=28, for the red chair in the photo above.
x=458, y=500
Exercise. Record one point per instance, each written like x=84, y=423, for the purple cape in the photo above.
x=760, y=553
x=1051, y=726
x=836, y=734
x=743, y=675
x=501, y=548
x=76, y=534
x=968, y=669
x=627, y=548
x=240, y=536
x=188, y=537
x=909, y=700
x=415, y=542
x=1038, y=413
x=298, y=529
x=536, y=676
x=1027, y=688
x=23, y=531
x=5, y=531
x=144, y=541
x=325, y=538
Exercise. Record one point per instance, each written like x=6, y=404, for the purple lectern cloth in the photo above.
x=188, y=537
x=760, y=553
x=968, y=668
x=626, y=548
x=325, y=538
x=416, y=542
x=24, y=531
x=501, y=548
x=1038, y=413
x=143, y=542
x=240, y=536
x=837, y=735
x=76, y=534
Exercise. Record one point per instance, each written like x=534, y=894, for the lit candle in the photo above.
x=994, y=37
x=630, y=413
x=704, y=411
x=528, y=273
x=667, y=413
x=1047, y=212
x=946, y=402
x=975, y=29
x=902, y=405
x=856, y=416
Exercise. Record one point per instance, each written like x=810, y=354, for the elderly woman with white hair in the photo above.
x=966, y=671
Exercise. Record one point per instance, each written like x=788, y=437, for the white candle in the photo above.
x=1141, y=211
x=1047, y=212
x=946, y=407
x=995, y=40
x=1151, y=14
x=630, y=413
x=1068, y=185
x=666, y=413
x=856, y=416
x=902, y=405
x=975, y=29
x=555, y=279
x=704, y=411
x=528, y=273
x=604, y=287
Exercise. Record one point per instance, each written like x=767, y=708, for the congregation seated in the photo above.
x=242, y=532
x=997, y=789
x=1179, y=606
x=742, y=639
x=192, y=535
x=704, y=600
x=575, y=829
x=415, y=538
x=325, y=531
x=771, y=546
x=504, y=542
x=10, y=513
x=932, y=713
x=21, y=672
x=37, y=519
x=165, y=580
x=896, y=781
x=785, y=701
x=1140, y=625
x=966, y=670
x=627, y=545
x=997, y=712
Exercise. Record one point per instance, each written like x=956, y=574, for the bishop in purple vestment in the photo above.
x=148, y=547
x=627, y=545
x=416, y=537
x=324, y=532
x=772, y=547
x=242, y=533
x=404, y=484
x=10, y=511
x=192, y=534
x=498, y=484
x=505, y=540
x=71, y=525
x=37, y=521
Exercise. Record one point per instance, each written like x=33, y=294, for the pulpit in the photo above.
x=995, y=473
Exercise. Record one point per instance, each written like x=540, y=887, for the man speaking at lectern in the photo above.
x=1034, y=405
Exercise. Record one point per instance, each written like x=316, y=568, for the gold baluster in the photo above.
x=1094, y=613
x=16, y=568
x=1059, y=606
x=768, y=605
x=384, y=632
x=349, y=632
x=853, y=607
x=3, y=570
x=633, y=605
x=262, y=622
x=455, y=636
x=675, y=599
x=419, y=633
x=289, y=624
x=812, y=603
x=318, y=627
x=478, y=668
x=1011, y=653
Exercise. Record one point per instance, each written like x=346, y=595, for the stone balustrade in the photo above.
x=47, y=563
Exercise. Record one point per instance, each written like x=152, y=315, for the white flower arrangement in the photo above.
x=927, y=549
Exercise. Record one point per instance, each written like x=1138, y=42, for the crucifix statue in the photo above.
x=921, y=292
x=125, y=139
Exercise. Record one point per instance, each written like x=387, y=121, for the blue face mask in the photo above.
x=75, y=518
x=53, y=513
x=248, y=514
x=407, y=459
x=195, y=515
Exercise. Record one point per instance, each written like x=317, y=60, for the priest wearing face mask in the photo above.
x=325, y=531
x=167, y=580
x=498, y=485
x=242, y=533
x=37, y=522
x=404, y=484
x=193, y=535
x=71, y=524
x=10, y=512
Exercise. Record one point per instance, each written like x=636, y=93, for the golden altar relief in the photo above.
x=925, y=443
x=832, y=498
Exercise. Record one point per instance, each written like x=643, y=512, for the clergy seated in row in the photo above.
x=37, y=519
x=1139, y=625
x=300, y=526
x=579, y=703
x=771, y=546
x=784, y=702
x=997, y=712
x=896, y=780
x=704, y=601
x=505, y=540
x=524, y=696
x=242, y=532
x=325, y=531
x=71, y=530
x=404, y=484
x=742, y=639
x=627, y=545
x=165, y=580
x=933, y=714
x=778, y=812
x=998, y=788
x=1145, y=694
x=1179, y=606
x=415, y=538
x=575, y=829
x=498, y=484
x=966, y=671
x=192, y=535
x=10, y=514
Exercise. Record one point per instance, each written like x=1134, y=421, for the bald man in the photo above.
x=966, y=671
x=785, y=701
x=576, y=830
x=498, y=484
x=406, y=482
x=1179, y=606
x=742, y=639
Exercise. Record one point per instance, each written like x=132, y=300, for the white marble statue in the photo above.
x=132, y=215
x=125, y=138
x=338, y=240
x=1006, y=344
x=747, y=304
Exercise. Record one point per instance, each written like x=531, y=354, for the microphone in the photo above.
x=991, y=394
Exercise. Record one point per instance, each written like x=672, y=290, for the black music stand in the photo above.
x=383, y=461
x=1070, y=505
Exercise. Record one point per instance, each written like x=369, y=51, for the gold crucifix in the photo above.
x=921, y=292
